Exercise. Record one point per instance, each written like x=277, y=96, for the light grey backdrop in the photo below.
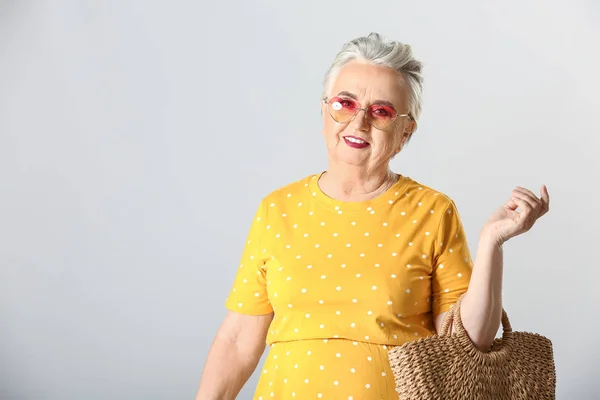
x=137, y=138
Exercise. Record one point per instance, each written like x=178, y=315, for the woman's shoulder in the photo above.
x=297, y=189
x=425, y=192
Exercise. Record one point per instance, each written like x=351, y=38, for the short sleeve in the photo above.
x=248, y=294
x=452, y=261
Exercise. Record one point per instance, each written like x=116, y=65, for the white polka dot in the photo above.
x=446, y=291
x=293, y=394
x=309, y=266
x=408, y=265
x=295, y=226
x=321, y=326
x=410, y=243
x=306, y=235
x=424, y=256
x=352, y=370
x=450, y=250
x=335, y=383
x=296, y=366
x=256, y=294
x=343, y=265
x=352, y=325
x=300, y=204
x=426, y=233
x=402, y=213
x=319, y=395
x=317, y=246
x=366, y=233
x=370, y=358
x=416, y=333
x=393, y=276
x=389, y=303
x=304, y=290
x=374, y=287
x=335, y=234
x=307, y=315
x=421, y=278
x=407, y=290
x=329, y=256
x=379, y=245
x=322, y=223
x=348, y=245
x=362, y=254
x=354, y=301
x=240, y=304
x=338, y=355
x=323, y=276
x=397, y=235
x=459, y=275
x=290, y=306
x=309, y=352
x=338, y=288
x=287, y=246
x=441, y=266
x=358, y=275
x=376, y=265
x=353, y=223
x=337, y=313
x=369, y=312
x=385, y=224
x=415, y=221
x=366, y=338
x=394, y=254
x=288, y=278
x=322, y=367
x=431, y=211
x=383, y=374
x=321, y=301
x=306, y=381
x=419, y=204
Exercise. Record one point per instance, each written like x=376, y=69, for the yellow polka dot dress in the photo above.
x=346, y=282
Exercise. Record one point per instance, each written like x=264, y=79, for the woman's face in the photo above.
x=368, y=84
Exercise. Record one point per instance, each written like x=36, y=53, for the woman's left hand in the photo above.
x=507, y=223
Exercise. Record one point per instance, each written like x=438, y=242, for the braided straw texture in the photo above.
x=520, y=365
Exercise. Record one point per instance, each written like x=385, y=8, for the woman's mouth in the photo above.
x=355, y=142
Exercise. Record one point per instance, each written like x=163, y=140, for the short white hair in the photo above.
x=389, y=53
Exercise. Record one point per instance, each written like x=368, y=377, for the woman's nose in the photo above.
x=361, y=121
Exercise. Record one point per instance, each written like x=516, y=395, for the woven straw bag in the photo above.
x=520, y=365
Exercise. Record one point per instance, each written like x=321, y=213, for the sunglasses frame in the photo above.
x=326, y=100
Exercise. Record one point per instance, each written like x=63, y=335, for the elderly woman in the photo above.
x=342, y=265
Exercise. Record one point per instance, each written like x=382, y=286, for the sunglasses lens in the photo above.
x=341, y=109
x=381, y=116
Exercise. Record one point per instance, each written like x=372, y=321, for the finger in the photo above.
x=511, y=205
x=524, y=219
x=545, y=199
x=529, y=194
x=531, y=204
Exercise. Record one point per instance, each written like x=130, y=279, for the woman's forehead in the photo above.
x=368, y=81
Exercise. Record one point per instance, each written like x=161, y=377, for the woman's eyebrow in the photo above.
x=353, y=96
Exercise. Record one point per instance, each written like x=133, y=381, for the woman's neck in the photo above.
x=356, y=184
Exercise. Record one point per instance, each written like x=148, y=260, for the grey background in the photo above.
x=137, y=138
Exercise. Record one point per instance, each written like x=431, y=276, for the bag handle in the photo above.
x=453, y=316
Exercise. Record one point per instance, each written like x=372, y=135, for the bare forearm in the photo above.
x=226, y=371
x=481, y=309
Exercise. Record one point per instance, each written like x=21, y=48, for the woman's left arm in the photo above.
x=481, y=308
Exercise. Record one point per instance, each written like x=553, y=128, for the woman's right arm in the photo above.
x=233, y=356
